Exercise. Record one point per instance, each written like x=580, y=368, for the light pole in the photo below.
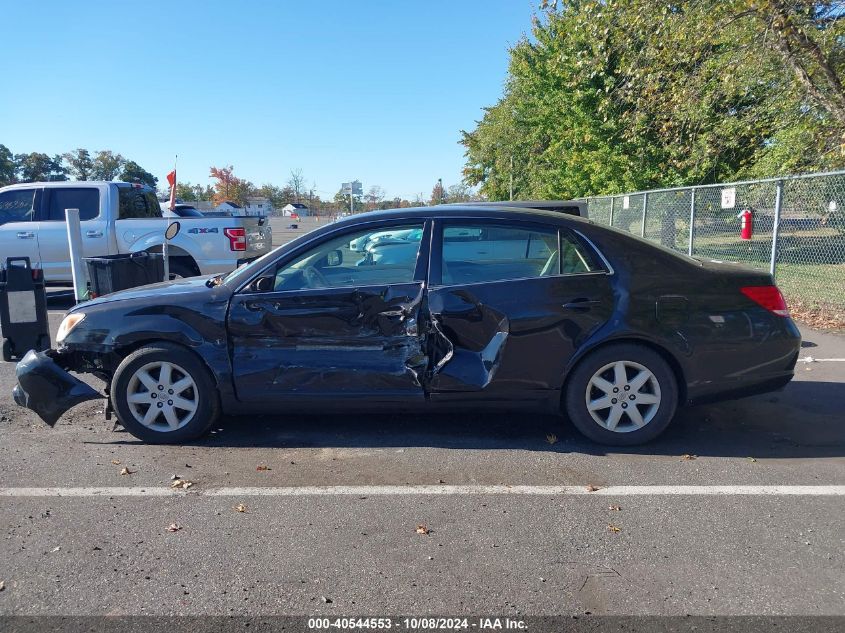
x=440, y=186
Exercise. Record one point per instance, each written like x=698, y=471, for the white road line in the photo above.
x=429, y=490
x=810, y=359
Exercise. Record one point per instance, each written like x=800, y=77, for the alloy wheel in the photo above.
x=162, y=396
x=623, y=396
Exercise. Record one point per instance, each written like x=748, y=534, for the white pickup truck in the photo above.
x=116, y=218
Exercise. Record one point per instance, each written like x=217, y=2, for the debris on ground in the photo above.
x=592, y=488
x=184, y=484
x=751, y=459
x=551, y=438
x=125, y=471
x=262, y=467
x=174, y=527
x=614, y=508
x=116, y=462
x=686, y=457
x=2, y=585
x=613, y=528
x=240, y=508
x=326, y=599
x=422, y=529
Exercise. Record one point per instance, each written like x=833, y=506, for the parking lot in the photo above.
x=737, y=509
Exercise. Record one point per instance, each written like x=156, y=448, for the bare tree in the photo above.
x=297, y=183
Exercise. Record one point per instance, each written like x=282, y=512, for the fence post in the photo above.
x=645, y=206
x=612, y=201
x=691, y=221
x=776, y=227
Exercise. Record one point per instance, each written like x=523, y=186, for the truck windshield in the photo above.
x=137, y=202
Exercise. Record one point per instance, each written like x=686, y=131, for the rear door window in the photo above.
x=86, y=199
x=137, y=203
x=17, y=205
x=477, y=253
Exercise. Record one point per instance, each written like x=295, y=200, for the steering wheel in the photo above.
x=314, y=278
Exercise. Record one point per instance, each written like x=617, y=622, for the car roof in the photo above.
x=468, y=210
x=547, y=205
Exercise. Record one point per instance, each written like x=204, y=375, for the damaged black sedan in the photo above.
x=431, y=309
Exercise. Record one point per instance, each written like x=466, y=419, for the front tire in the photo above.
x=164, y=394
x=622, y=395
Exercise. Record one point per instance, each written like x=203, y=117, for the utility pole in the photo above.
x=440, y=186
x=511, y=176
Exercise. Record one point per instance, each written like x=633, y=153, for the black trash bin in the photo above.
x=111, y=273
x=23, y=309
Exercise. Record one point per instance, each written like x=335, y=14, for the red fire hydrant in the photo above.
x=746, y=224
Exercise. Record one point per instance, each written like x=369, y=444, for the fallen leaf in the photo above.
x=422, y=529
x=326, y=599
x=2, y=585
x=613, y=528
x=592, y=488
x=615, y=508
x=182, y=483
x=751, y=459
x=174, y=527
x=240, y=507
x=686, y=457
x=262, y=467
x=551, y=438
x=116, y=462
x=126, y=471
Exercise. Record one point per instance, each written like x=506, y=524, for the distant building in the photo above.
x=296, y=208
x=227, y=206
x=258, y=205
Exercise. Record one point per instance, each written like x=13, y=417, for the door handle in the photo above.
x=580, y=304
x=26, y=235
x=93, y=234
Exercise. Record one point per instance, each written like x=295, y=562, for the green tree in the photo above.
x=8, y=167
x=39, y=167
x=106, y=165
x=132, y=172
x=612, y=95
x=80, y=164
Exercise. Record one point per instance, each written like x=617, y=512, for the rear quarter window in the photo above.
x=135, y=203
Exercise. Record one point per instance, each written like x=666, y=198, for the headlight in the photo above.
x=68, y=323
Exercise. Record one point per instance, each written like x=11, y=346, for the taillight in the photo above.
x=769, y=297
x=237, y=239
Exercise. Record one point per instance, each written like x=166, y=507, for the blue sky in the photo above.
x=372, y=90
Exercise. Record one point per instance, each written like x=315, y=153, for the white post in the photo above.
x=645, y=208
x=776, y=227
x=165, y=253
x=691, y=222
x=74, y=238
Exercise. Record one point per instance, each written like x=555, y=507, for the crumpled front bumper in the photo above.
x=47, y=389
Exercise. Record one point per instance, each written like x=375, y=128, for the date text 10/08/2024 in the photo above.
x=424, y=623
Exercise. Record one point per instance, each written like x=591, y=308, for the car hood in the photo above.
x=164, y=292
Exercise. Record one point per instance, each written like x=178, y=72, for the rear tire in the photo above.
x=164, y=394
x=7, y=350
x=621, y=395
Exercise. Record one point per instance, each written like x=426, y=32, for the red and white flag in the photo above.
x=171, y=178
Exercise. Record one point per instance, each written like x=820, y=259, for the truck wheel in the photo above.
x=7, y=350
x=621, y=395
x=164, y=394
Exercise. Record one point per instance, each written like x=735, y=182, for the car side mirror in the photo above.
x=264, y=284
x=334, y=258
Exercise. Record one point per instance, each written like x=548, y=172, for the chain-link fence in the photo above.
x=797, y=230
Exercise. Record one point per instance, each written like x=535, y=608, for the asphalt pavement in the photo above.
x=736, y=510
